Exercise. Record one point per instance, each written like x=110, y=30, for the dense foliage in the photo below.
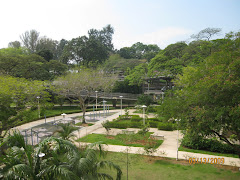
x=15, y=95
x=53, y=158
x=208, y=96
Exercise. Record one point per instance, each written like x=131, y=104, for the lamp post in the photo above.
x=144, y=114
x=104, y=113
x=96, y=99
x=121, y=103
x=38, y=97
x=177, y=120
x=64, y=115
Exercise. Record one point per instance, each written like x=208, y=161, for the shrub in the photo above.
x=151, y=109
x=166, y=126
x=198, y=142
x=145, y=99
x=162, y=119
x=120, y=125
x=136, y=124
x=153, y=119
x=153, y=124
x=136, y=118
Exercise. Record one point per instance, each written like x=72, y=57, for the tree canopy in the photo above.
x=82, y=83
x=208, y=97
x=91, y=50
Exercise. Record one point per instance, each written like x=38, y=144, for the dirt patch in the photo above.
x=84, y=124
x=110, y=137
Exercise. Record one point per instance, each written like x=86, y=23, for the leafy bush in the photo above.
x=120, y=125
x=153, y=119
x=136, y=124
x=136, y=118
x=166, y=126
x=151, y=109
x=153, y=124
x=162, y=119
x=198, y=142
x=145, y=99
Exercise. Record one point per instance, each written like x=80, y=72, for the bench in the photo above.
x=126, y=131
x=157, y=137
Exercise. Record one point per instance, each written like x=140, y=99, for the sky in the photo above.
x=160, y=22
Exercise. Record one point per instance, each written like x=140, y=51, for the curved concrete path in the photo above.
x=167, y=149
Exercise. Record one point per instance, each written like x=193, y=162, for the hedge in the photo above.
x=212, y=145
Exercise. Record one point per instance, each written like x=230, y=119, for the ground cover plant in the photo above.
x=136, y=140
x=207, y=146
x=155, y=168
x=135, y=121
x=181, y=148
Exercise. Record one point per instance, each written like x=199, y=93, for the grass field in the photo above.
x=156, y=168
x=206, y=152
x=134, y=140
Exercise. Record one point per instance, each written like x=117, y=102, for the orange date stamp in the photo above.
x=206, y=160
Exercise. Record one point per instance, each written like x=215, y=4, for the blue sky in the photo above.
x=160, y=22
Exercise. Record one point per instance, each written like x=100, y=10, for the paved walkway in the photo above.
x=167, y=149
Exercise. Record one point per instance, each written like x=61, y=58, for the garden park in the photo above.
x=160, y=114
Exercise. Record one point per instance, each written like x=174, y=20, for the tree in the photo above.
x=139, y=51
x=82, y=83
x=89, y=51
x=30, y=66
x=13, y=51
x=116, y=63
x=208, y=101
x=145, y=100
x=14, y=44
x=175, y=50
x=30, y=40
x=45, y=43
x=137, y=75
x=60, y=48
x=206, y=34
x=20, y=92
x=46, y=54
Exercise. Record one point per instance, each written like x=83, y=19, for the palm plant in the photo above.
x=52, y=158
x=66, y=131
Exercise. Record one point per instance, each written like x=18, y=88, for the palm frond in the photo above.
x=104, y=164
x=58, y=172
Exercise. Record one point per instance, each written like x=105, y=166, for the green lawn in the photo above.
x=206, y=152
x=146, y=168
x=135, y=140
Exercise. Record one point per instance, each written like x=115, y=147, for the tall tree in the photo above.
x=20, y=92
x=83, y=83
x=14, y=44
x=91, y=50
x=139, y=51
x=208, y=102
x=206, y=34
x=30, y=40
x=60, y=48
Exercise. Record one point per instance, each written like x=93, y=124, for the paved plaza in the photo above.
x=167, y=149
